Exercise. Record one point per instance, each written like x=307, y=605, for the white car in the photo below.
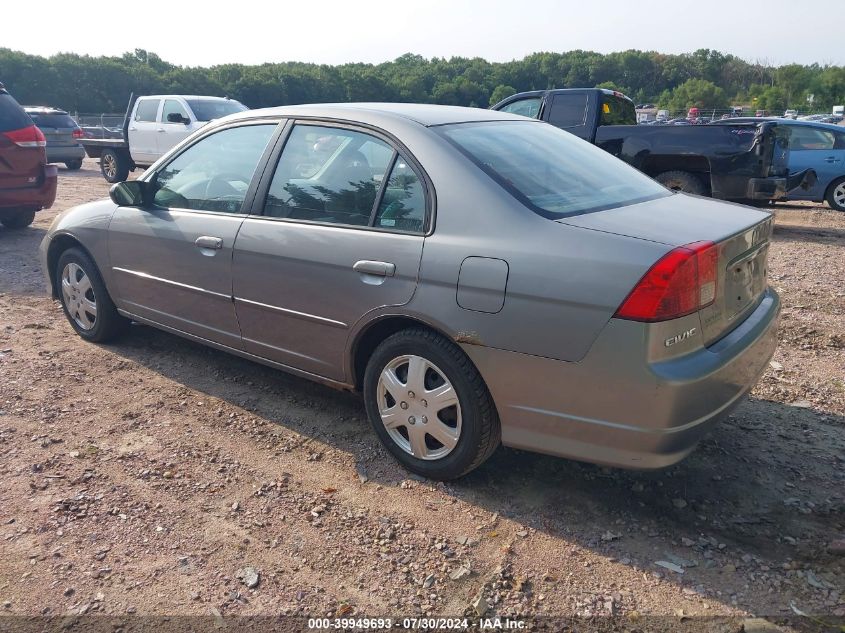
x=154, y=124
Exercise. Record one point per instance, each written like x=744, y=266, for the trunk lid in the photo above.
x=741, y=233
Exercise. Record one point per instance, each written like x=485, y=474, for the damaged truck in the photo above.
x=744, y=162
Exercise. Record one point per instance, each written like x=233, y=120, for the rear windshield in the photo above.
x=617, y=111
x=52, y=120
x=12, y=116
x=210, y=109
x=551, y=171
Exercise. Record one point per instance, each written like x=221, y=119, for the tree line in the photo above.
x=705, y=78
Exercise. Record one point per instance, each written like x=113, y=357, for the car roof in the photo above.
x=185, y=97
x=424, y=114
x=42, y=110
x=782, y=121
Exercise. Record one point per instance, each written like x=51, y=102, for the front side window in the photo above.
x=147, y=110
x=171, y=106
x=568, y=110
x=551, y=171
x=214, y=173
x=529, y=107
x=328, y=174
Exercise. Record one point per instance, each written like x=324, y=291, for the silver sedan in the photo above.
x=482, y=278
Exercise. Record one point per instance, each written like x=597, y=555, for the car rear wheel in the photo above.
x=74, y=165
x=429, y=405
x=682, y=181
x=17, y=219
x=114, y=166
x=85, y=301
x=836, y=195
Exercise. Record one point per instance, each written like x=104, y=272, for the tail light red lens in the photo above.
x=681, y=282
x=27, y=137
x=78, y=133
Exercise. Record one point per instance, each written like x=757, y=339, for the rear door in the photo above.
x=144, y=130
x=341, y=234
x=819, y=149
x=570, y=111
x=19, y=166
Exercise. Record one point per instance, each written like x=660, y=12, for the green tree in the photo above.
x=698, y=93
x=501, y=92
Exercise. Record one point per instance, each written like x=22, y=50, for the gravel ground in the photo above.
x=156, y=476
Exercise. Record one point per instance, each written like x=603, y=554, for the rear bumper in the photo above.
x=613, y=409
x=779, y=188
x=65, y=153
x=41, y=196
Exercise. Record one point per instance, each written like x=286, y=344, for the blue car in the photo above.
x=811, y=145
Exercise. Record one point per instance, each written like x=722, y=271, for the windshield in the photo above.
x=551, y=171
x=210, y=109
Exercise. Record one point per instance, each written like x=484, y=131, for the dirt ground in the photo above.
x=156, y=476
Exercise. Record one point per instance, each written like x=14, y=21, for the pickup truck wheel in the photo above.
x=74, y=165
x=682, y=181
x=17, y=219
x=836, y=195
x=114, y=166
x=84, y=298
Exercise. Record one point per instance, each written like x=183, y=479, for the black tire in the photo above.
x=17, y=219
x=114, y=166
x=480, y=432
x=832, y=193
x=107, y=323
x=74, y=165
x=682, y=181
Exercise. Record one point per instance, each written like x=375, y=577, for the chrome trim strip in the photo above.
x=299, y=315
x=170, y=282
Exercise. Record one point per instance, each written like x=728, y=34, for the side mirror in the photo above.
x=175, y=117
x=129, y=193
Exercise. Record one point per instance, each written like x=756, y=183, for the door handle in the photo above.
x=383, y=269
x=213, y=243
x=831, y=159
x=160, y=130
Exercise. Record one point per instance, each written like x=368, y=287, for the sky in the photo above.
x=340, y=31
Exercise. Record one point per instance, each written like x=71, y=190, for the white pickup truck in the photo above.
x=153, y=125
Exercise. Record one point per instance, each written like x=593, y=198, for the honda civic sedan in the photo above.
x=482, y=278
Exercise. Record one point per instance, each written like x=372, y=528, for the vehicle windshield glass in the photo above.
x=617, y=111
x=12, y=116
x=210, y=109
x=52, y=120
x=551, y=171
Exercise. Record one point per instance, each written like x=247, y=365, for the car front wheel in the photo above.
x=429, y=405
x=85, y=301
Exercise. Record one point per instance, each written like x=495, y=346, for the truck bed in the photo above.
x=94, y=146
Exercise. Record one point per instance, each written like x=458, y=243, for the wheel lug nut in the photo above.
x=410, y=394
x=403, y=405
x=412, y=420
x=424, y=403
x=424, y=420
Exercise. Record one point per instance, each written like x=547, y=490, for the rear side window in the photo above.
x=807, y=138
x=617, y=111
x=550, y=171
x=12, y=116
x=53, y=120
x=568, y=110
x=147, y=110
x=403, y=203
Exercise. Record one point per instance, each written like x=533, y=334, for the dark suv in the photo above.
x=62, y=134
x=27, y=182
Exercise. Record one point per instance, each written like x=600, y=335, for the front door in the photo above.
x=341, y=235
x=173, y=133
x=172, y=259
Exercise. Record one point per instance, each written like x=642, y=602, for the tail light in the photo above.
x=78, y=133
x=27, y=137
x=681, y=282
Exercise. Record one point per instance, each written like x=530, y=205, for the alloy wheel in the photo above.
x=109, y=166
x=839, y=195
x=419, y=407
x=78, y=295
